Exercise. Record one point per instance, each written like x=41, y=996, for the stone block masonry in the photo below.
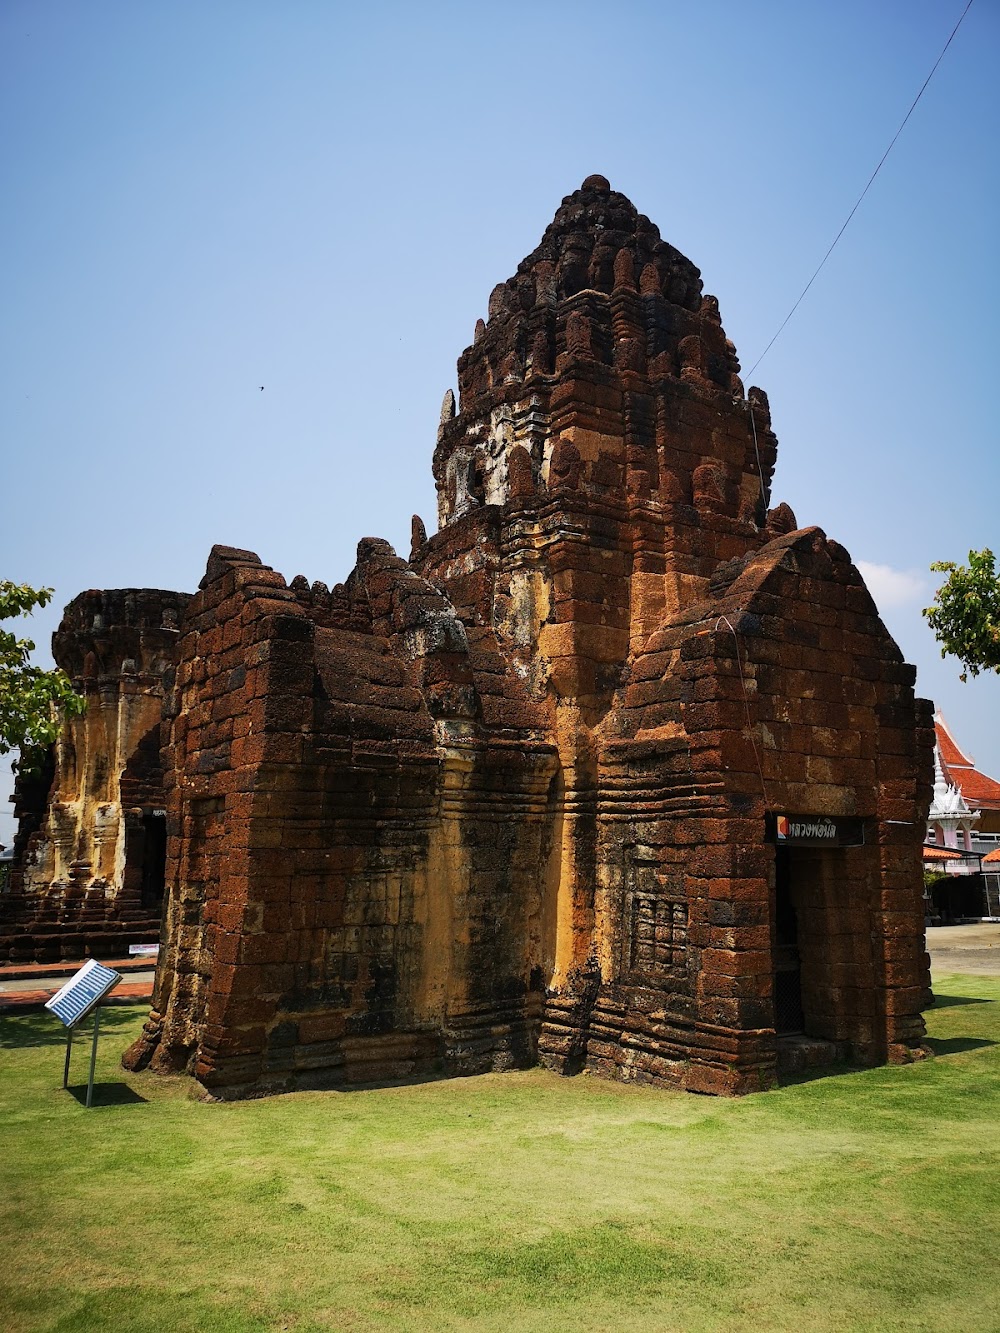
x=516, y=798
x=88, y=874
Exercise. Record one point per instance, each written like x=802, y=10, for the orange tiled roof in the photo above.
x=992, y=856
x=948, y=746
x=980, y=791
x=940, y=853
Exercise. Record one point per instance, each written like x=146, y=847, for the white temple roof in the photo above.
x=947, y=801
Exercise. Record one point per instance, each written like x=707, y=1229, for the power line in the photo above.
x=861, y=195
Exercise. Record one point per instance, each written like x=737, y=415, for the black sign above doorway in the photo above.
x=815, y=830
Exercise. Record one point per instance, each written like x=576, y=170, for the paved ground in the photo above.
x=25, y=986
x=974, y=949
x=51, y=985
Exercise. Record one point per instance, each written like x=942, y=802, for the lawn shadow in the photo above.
x=940, y=1046
x=950, y=1001
x=20, y=1031
x=956, y=1045
x=792, y=1078
x=106, y=1094
x=332, y=1080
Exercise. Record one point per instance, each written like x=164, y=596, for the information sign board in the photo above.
x=82, y=992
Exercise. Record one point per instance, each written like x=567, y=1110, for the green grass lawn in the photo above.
x=865, y=1200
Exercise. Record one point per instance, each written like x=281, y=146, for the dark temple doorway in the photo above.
x=788, y=1013
x=154, y=858
x=146, y=857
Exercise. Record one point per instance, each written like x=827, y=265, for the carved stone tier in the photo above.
x=91, y=842
x=520, y=797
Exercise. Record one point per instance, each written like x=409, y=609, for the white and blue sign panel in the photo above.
x=87, y=988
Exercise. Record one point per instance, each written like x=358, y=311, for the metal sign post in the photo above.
x=93, y=1055
x=71, y=1004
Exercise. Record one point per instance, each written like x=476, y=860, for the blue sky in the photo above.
x=203, y=198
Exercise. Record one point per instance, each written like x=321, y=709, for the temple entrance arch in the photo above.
x=823, y=965
x=145, y=857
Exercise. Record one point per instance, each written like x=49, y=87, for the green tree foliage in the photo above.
x=965, y=616
x=33, y=702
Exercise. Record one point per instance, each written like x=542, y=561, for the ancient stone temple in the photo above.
x=90, y=850
x=619, y=770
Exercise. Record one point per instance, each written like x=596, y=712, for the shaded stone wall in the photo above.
x=354, y=871
x=791, y=697
x=508, y=800
x=85, y=873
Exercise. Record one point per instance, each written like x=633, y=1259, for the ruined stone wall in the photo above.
x=354, y=873
x=511, y=799
x=788, y=695
x=84, y=877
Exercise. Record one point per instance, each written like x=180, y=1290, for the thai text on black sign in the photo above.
x=815, y=831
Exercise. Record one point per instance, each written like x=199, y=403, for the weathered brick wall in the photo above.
x=507, y=800
x=78, y=883
x=354, y=873
x=795, y=722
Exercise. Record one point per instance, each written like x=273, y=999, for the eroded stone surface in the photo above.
x=90, y=851
x=506, y=801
